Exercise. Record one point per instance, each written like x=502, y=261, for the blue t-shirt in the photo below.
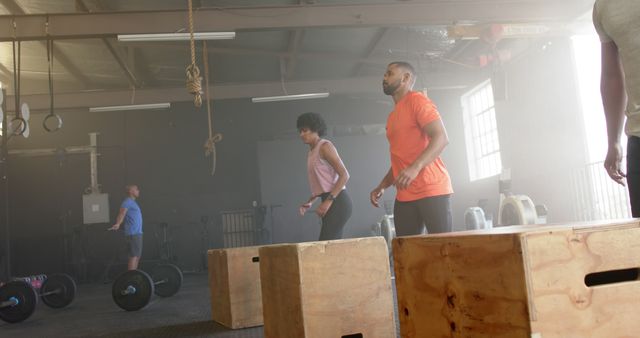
x=133, y=217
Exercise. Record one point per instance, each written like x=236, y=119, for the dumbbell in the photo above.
x=19, y=297
x=133, y=289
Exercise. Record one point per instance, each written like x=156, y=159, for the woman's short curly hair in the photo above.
x=313, y=122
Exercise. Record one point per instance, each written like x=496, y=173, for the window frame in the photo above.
x=482, y=139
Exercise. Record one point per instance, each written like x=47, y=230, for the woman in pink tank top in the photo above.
x=327, y=177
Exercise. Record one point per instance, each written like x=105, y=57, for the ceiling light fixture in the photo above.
x=290, y=97
x=150, y=106
x=176, y=36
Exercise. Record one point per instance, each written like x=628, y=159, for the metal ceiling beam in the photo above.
x=281, y=54
x=82, y=100
x=65, y=61
x=136, y=63
x=81, y=6
x=295, y=40
x=5, y=72
x=59, y=56
x=87, y=25
x=459, y=48
x=115, y=51
x=373, y=45
x=102, y=6
x=141, y=65
x=12, y=6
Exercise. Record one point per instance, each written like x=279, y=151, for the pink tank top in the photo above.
x=322, y=176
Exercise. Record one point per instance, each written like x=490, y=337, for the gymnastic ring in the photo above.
x=21, y=121
x=49, y=117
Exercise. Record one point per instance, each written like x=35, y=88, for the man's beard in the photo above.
x=389, y=89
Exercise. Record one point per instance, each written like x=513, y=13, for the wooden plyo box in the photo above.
x=234, y=282
x=521, y=282
x=329, y=289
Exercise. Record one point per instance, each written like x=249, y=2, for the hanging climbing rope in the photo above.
x=210, y=143
x=194, y=79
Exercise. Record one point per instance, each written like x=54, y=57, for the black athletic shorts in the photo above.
x=336, y=217
x=633, y=174
x=410, y=218
x=134, y=245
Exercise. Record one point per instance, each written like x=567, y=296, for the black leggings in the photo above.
x=633, y=174
x=334, y=220
x=411, y=217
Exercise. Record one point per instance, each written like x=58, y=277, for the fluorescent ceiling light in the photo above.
x=290, y=97
x=176, y=36
x=131, y=107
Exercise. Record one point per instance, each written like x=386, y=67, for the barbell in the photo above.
x=19, y=297
x=133, y=289
x=58, y=291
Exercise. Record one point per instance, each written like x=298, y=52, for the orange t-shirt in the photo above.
x=407, y=141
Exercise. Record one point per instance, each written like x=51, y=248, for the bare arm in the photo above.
x=438, y=140
x=119, y=219
x=387, y=181
x=311, y=200
x=377, y=193
x=306, y=205
x=614, y=101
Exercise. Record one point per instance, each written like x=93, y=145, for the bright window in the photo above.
x=481, y=132
x=596, y=195
x=587, y=57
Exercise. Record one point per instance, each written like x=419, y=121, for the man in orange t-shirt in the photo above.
x=416, y=137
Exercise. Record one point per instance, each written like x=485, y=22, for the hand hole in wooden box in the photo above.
x=611, y=277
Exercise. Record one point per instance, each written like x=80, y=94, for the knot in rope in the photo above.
x=210, y=144
x=194, y=84
x=194, y=80
x=210, y=150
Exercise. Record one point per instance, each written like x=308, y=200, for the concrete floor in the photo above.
x=94, y=314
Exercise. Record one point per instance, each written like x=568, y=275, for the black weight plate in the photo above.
x=143, y=284
x=172, y=277
x=27, y=300
x=65, y=287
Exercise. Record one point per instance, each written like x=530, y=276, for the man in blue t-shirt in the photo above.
x=131, y=215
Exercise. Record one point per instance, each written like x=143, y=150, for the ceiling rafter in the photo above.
x=88, y=25
x=375, y=43
x=115, y=51
x=62, y=58
x=5, y=74
x=76, y=100
x=283, y=54
x=295, y=40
